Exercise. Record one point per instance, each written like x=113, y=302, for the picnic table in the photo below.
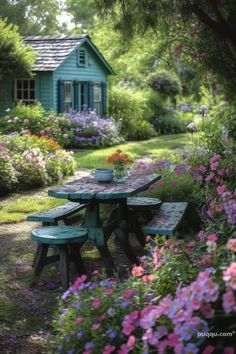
x=93, y=193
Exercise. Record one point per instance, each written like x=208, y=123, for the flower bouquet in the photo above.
x=119, y=161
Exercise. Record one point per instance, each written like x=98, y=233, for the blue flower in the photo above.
x=111, y=332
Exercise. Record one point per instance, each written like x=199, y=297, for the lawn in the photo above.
x=97, y=158
x=20, y=205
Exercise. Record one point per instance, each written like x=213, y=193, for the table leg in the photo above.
x=76, y=257
x=99, y=235
x=122, y=232
x=136, y=227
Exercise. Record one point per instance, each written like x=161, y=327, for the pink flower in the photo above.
x=78, y=282
x=214, y=166
x=214, y=158
x=212, y=237
x=148, y=278
x=100, y=318
x=108, y=291
x=131, y=342
x=210, y=177
x=95, y=326
x=202, y=235
x=123, y=349
x=137, y=271
x=173, y=339
x=96, y=303
x=95, y=272
x=229, y=303
x=208, y=350
x=229, y=350
x=221, y=189
x=79, y=320
x=108, y=349
x=172, y=184
x=207, y=310
x=128, y=293
x=229, y=276
x=159, y=184
x=231, y=245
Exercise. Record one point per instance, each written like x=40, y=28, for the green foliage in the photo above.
x=129, y=107
x=175, y=188
x=202, y=30
x=32, y=17
x=165, y=83
x=15, y=57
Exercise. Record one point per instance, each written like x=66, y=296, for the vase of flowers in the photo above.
x=120, y=161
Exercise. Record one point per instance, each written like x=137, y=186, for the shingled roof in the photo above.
x=52, y=51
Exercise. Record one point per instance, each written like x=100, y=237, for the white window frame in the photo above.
x=27, y=100
x=99, y=101
x=71, y=98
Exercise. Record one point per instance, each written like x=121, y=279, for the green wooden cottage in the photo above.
x=69, y=72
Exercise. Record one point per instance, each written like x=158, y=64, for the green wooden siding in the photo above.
x=94, y=71
x=45, y=89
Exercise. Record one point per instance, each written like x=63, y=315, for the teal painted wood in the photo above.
x=59, y=213
x=94, y=71
x=59, y=235
x=166, y=219
x=143, y=203
x=45, y=86
x=87, y=188
x=6, y=95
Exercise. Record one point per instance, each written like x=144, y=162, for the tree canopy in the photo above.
x=15, y=57
x=31, y=16
x=203, y=29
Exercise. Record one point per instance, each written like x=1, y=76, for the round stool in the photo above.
x=69, y=240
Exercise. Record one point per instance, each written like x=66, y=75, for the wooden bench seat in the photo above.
x=143, y=203
x=62, y=212
x=166, y=220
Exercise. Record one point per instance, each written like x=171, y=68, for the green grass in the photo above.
x=16, y=210
x=97, y=158
x=19, y=206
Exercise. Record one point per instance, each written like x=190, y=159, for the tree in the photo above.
x=83, y=12
x=15, y=57
x=32, y=17
x=209, y=25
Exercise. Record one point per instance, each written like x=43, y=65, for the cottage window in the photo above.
x=25, y=90
x=97, y=98
x=81, y=57
x=68, y=95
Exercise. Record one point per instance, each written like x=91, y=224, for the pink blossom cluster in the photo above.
x=184, y=312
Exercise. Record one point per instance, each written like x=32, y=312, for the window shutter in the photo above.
x=104, y=98
x=76, y=96
x=61, y=96
x=90, y=95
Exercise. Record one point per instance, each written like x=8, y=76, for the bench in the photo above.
x=166, y=220
x=52, y=216
x=69, y=240
x=143, y=203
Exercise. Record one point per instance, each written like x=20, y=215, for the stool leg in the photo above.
x=40, y=261
x=36, y=256
x=107, y=258
x=76, y=257
x=64, y=266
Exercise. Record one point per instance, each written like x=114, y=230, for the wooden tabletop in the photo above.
x=87, y=188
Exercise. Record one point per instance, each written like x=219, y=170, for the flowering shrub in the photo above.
x=29, y=161
x=34, y=119
x=89, y=129
x=104, y=316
